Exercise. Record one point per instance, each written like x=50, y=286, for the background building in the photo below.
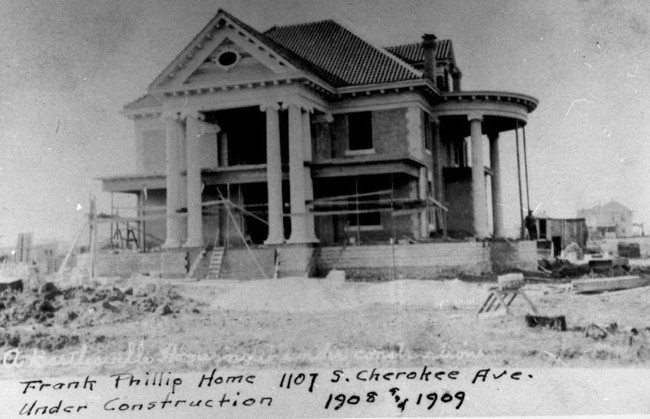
x=610, y=220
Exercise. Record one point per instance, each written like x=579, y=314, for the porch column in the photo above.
x=478, y=177
x=309, y=185
x=192, y=154
x=422, y=194
x=497, y=196
x=273, y=174
x=439, y=185
x=174, y=181
x=297, y=175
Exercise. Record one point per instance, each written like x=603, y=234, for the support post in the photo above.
x=521, y=203
x=478, y=177
x=299, y=233
x=194, y=209
x=309, y=185
x=497, y=194
x=174, y=180
x=439, y=184
x=523, y=131
x=273, y=174
x=422, y=195
x=222, y=149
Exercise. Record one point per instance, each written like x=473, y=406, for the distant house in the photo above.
x=610, y=220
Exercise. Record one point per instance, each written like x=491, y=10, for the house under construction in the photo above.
x=308, y=136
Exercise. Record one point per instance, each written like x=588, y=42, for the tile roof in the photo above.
x=146, y=101
x=281, y=50
x=339, y=56
x=413, y=53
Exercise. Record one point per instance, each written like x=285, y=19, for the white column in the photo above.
x=422, y=194
x=438, y=181
x=309, y=185
x=497, y=196
x=222, y=149
x=192, y=154
x=273, y=174
x=478, y=177
x=297, y=175
x=174, y=181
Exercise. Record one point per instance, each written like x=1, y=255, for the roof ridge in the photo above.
x=293, y=25
x=413, y=43
x=388, y=54
x=402, y=45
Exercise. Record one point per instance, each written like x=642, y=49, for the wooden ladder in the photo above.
x=216, y=260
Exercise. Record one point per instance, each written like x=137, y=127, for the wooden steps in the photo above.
x=216, y=261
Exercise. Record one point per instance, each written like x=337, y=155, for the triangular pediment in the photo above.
x=225, y=51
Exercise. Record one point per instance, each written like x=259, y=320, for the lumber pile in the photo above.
x=593, y=285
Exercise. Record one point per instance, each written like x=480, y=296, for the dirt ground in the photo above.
x=192, y=326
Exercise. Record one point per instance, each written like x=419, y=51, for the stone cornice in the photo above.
x=493, y=96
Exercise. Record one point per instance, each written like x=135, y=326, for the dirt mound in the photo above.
x=286, y=294
x=314, y=295
x=42, y=317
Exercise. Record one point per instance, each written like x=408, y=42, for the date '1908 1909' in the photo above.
x=429, y=400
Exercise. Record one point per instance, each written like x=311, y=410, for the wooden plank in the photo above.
x=608, y=284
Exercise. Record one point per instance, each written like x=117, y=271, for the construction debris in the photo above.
x=595, y=285
x=551, y=322
x=28, y=317
x=629, y=250
x=595, y=332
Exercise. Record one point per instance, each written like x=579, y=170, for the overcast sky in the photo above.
x=68, y=67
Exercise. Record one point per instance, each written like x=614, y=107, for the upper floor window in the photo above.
x=428, y=132
x=360, y=130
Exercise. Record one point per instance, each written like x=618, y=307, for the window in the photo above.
x=460, y=150
x=428, y=132
x=360, y=130
x=226, y=59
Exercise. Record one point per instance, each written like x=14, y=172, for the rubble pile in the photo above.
x=44, y=317
x=564, y=271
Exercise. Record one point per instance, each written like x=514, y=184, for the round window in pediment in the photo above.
x=227, y=59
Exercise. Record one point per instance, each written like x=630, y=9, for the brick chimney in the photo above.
x=429, y=45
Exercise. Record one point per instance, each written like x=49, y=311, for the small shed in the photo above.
x=563, y=231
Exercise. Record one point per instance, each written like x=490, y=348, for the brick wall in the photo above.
x=427, y=261
x=415, y=131
x=156, y=229
x=322, y=140
x=389, y=131
x=150, y=151
x=458, y=197
x=160, y=264
x=389, y=134
x=150, y=147
x=339, y=133
x=241, y=263
x=506, y=256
